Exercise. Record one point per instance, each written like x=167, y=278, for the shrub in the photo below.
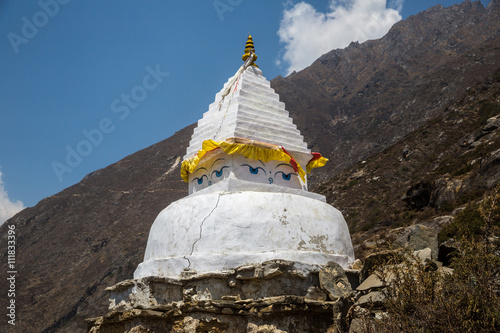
x=466, y=224
x=421, y=299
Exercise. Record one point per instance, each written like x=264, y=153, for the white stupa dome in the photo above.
x=248, y=203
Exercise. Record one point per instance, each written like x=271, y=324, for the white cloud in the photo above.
x=307, y=33
x=7, y=207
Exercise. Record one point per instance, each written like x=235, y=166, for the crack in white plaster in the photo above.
x=201, y=231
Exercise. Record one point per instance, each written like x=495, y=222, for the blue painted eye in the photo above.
x=200, y=179
x=252, y=170
x=219, y=173
x=285, y=176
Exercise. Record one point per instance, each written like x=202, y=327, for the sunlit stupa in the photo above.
x=249, y=249
x=246, y=166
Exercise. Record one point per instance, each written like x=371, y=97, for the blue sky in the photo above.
x=104, y=79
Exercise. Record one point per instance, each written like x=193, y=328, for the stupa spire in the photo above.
x=247, y=118
x=250, y=49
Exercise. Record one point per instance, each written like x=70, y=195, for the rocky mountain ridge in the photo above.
x=368, y=96
x=350, y=104
x=435, y=171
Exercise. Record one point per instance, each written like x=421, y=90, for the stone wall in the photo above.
x=276, y=296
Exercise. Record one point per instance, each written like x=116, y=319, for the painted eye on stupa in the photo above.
x=285, y=176
x=199, y=180
x=219, y=173
x=254, y=171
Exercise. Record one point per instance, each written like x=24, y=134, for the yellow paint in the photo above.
x=250, y=149
x=249, y=48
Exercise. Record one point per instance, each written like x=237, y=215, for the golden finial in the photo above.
x=249, y=48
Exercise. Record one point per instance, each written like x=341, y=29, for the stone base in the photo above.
x=275, y=296
x=275, y=314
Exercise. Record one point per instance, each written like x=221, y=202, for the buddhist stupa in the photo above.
x=249, y=249
x=246, y=167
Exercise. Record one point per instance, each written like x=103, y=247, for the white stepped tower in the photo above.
x=248, y=202
x=251, y=110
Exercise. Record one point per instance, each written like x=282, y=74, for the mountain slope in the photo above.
x=353, y=102
x=446, y=163
x=349, y=104
x=73, y=245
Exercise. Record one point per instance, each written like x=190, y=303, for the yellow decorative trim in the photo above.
x=250, y=149
x=316, y=162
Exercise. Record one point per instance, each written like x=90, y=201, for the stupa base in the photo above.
x=219, y=263
x=278, y=295
x=279, y=315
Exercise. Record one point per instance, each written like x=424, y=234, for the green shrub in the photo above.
x=467, y=223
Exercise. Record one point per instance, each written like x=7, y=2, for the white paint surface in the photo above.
x=253, y=111
x=222, y=230
x=216, y=166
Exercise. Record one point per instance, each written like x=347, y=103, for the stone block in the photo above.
x=333, y=280
x=372, y=282
x=374, y=298
x=424, y=254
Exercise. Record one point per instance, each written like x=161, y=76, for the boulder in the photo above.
x=419, y=237
x=446, y=189
x=418, y=196
x=333, y=280
x=357, y=264
x=424, y=254
x=491, y=124
x=372, y=282
x=378, y=280
x=439, y=222
x=372, y=299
